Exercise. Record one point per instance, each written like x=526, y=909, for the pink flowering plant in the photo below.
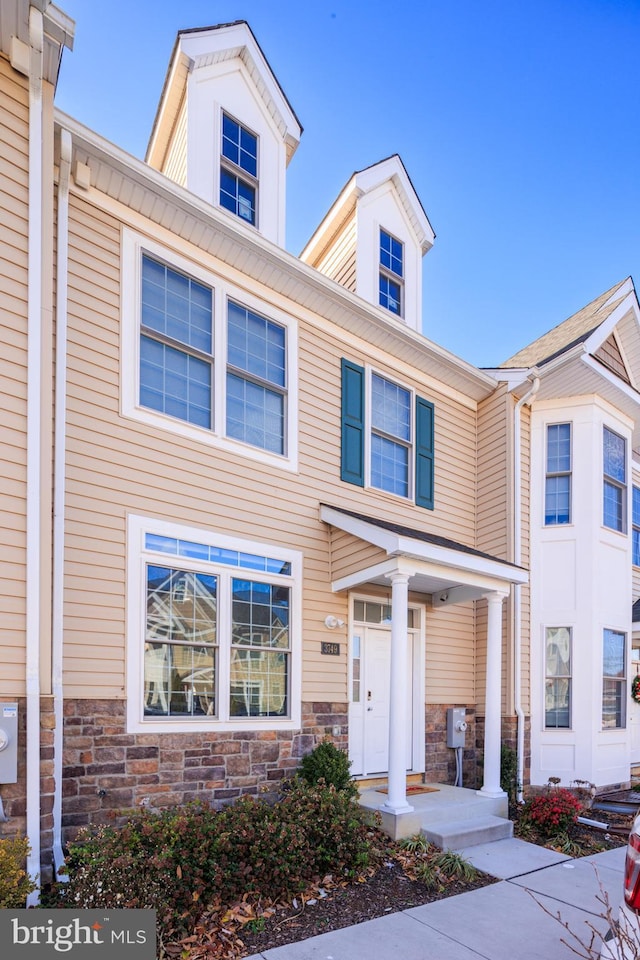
x=552, y=813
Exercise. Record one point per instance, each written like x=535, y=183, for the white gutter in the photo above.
x=59, y=484
x=34, y=457
x=517, y=588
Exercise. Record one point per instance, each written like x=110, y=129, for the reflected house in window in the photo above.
x=180, y=643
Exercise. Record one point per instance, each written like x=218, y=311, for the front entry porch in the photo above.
x=448, y=816
x=401, y=561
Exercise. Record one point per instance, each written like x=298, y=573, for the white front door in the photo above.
x=369, y=709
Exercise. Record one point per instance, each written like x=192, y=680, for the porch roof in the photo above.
x=451, y=572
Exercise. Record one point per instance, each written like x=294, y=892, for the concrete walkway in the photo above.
x=504, y=921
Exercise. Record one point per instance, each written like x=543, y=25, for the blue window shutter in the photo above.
x=424, y=453
x=352, y=463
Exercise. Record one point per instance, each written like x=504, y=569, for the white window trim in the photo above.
x=386, y=272
x=563, y=473
x=133, y=246
x=137, y=557
x=236, y=170
x=624, y=487
x=545, y=677
x=621, y=680
x=368, y=423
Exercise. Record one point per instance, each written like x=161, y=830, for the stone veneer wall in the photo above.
x=107, y=770
x=440, y=760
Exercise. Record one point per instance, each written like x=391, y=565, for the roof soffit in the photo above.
x=207, y=47
x=363, y=182
x=145, y=191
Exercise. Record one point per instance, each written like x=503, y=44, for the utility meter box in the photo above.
x=8, y=742
x=456, y=726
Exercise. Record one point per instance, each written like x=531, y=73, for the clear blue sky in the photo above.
x=516, y=119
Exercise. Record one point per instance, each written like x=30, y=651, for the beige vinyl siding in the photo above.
x=493, y=456
x=117, y=466
x=450, y=665
x=175, y=164
x=339, y=260
x=349, y=554
x=14, y=119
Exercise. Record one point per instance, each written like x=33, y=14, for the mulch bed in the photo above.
x=387, y=891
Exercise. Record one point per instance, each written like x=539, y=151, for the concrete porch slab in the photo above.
x=447, y=808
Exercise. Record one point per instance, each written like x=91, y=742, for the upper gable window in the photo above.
x=239, y=170
x=391, y=273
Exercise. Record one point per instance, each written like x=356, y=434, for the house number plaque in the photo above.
x=332, y=649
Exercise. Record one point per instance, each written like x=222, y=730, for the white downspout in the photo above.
x=59, y=485
x=517, y=588
x=34, y=457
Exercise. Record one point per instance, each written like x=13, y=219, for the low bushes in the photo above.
x=552, y=813
x=180, y=860
x=15, y=882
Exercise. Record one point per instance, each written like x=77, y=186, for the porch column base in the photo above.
x=396, y=808
x=400, y=825
x=491, y=794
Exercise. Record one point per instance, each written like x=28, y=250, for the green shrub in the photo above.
x=160, y=860
x=326, y=762
x=15, y=882
x=552, y=812
x=182, y=859
x=509, y=772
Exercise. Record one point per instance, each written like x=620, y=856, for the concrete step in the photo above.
x=452, y=834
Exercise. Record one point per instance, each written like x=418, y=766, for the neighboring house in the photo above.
x=248, y=505
x=583, y=514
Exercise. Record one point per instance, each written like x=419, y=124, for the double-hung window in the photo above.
x=176, y=344
x=199, y=362
x=614, y=680
x=238, y=170
x=635, y=546
x=615, y=481
x=387, y=435
x=557, y=684
x=557, y=494
x=391, y=275
x=214, y=635
x=256, y=379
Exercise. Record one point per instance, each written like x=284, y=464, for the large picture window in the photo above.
x=557, y=684
x=216, y=638
x=614, y=680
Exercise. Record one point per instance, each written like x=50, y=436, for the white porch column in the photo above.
x=493, y=697
x=396, y=801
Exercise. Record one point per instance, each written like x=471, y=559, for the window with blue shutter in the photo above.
x=352, y=460
x=424, y=453
x=397, y=447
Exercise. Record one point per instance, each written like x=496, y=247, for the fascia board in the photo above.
x=369, y=532
x=340, y=211
x=161, y=189
x=458, y=560
x=629, y=392
x=406, y=547
x=239, y=35
x=601, y=333
x=393, y=169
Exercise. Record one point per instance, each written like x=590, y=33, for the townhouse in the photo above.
x=247, y=504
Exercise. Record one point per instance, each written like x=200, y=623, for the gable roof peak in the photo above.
x=575, y=329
